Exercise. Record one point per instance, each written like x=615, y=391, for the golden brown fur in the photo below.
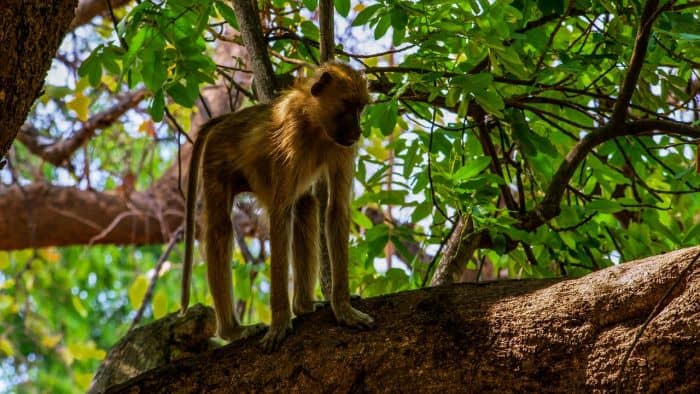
x=279, y=151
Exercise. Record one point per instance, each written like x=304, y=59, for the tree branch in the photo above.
x=327, y=32
x=60, y=152
x=251, y=33
x=635, y=67
x=504, y=336
x=31, y=33
x=549, y=206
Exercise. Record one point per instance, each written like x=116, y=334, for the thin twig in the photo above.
x=122, y=42
x=174, y=238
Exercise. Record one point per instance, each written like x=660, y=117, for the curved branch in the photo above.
x=60, y=152
x=639, y=52
x=549, y=206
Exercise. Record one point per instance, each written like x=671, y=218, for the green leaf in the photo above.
x=227, y=13
x=397, y=36
x=310, y=4
x=343, y=7
x=152, y=70
x=604, y=206
x=310, y=30
x=109, y=62
x=548, y=7
x=693, y=233
x=135, y=45
x=361, y=220
x=182, y=94
x=157, y=107
x=422, y=211
x=366, y=14
x=92, y=68
x=383, y=115
x=399, y=19
x=528, y=140
x=474, y=82
x=472, y=168
x=452, y=96
x=490, y=101
x=382, y=26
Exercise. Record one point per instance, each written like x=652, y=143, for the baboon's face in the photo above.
x=344, y=96
x=347, y=130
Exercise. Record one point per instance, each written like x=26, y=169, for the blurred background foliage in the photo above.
x=543, y=74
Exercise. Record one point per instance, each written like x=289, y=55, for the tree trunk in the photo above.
x=526, y=335
x=31, y=32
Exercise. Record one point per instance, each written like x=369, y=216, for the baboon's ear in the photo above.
x=323, y=80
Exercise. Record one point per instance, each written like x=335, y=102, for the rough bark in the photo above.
x=157, y=344
x=31, y=32
x=509, y=336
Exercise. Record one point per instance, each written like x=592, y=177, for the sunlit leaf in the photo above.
x=78, y=305
x=80, y=105
x=137, y=291
x=6, y=347
x=472, y=168
x=86, y=351
x=160, y=304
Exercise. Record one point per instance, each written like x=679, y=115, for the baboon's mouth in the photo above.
x=347, y=141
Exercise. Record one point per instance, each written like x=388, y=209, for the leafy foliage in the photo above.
x=476, y=106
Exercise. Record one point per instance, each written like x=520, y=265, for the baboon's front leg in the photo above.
x=337, y=229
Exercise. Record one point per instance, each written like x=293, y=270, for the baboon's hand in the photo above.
x=275, y=336
x=350, y=316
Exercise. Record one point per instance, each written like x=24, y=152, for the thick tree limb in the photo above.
x=507, y=336
x=60, y=152
x=31, y=33
x=153, y=345
x=46, y=215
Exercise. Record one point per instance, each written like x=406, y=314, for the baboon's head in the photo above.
x=342, y=93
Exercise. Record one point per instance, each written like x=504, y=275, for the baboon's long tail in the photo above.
x=191, y=198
